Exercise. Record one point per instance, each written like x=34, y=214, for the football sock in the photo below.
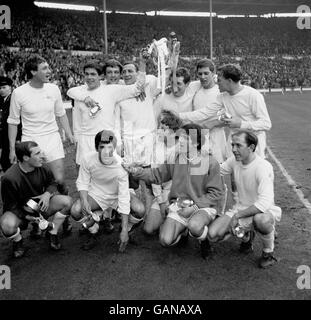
x=267, y=241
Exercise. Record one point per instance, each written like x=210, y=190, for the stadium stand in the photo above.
x=273, y=53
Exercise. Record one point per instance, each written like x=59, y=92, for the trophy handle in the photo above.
x=174, y=63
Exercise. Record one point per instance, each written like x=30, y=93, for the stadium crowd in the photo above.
x=260, y=51
x=260, y=72
x=60, y=29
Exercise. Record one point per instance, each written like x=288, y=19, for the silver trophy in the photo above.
x=239, y=231
x=180, y=203
x=94, y=110
x=184, y=202
x=223, y=115
x=90, y=219
x=45, y=224
x=33, y=207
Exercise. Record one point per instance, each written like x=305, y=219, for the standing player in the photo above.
x=104, y=98
x=37, y=103
x=206, y=92
x=245, y=104
x=85, y=127
x=136, y=118
x=179, y=100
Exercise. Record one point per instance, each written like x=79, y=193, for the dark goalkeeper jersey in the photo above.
x=17, y=187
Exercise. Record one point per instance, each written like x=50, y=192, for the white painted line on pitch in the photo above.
x=290, y=181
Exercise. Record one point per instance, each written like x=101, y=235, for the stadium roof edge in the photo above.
x=219, y=6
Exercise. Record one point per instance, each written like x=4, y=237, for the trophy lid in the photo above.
x=173, y=34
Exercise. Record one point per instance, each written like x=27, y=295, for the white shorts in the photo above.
x=51, y=145
x=247, y=223
x=215, y=143
x=105, y=203
x=85, y=145
x=211, y=212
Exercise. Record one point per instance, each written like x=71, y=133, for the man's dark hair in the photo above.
x=250, y=137
x=5, y=81
x=23, y=149
x=131, y=62
x=231, y=71
x=94, y=64
x=112, y=63
x=182, y=72
x=32, y=64
x=170, y=119
x=205, y=63
x=105, y=136
x=195, y=132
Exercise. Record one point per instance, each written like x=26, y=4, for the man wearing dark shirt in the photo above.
x=25, y=180
x=5, y=98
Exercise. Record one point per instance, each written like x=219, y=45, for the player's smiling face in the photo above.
x=113, y=75
x=92, y=78
x=129, y=74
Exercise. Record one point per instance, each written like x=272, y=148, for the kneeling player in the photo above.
x=255, y=207
x=30, y=179
x=166, y=146
x=196, y=179
x=102, y=184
